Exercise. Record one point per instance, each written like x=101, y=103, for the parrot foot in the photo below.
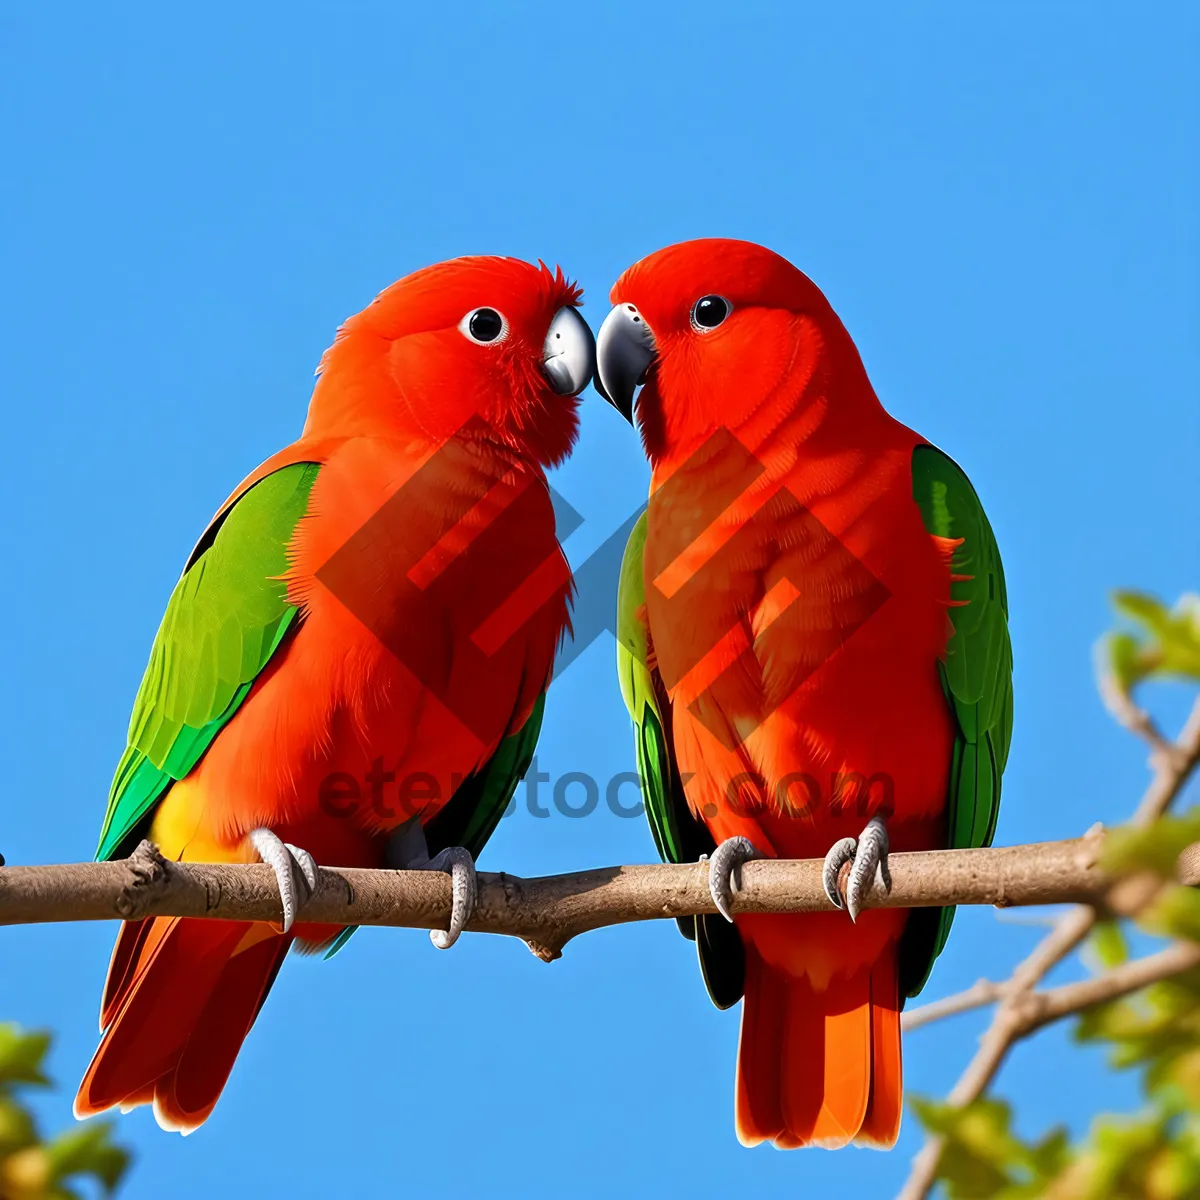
x=458, y=863
x=407, y=850
x=295, y=871
x=869, y=856
x=726, y=860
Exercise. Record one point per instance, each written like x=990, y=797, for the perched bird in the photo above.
x=813, y=645
x=351, y=670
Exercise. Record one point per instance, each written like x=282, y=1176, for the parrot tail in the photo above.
x=180, y=998
x=820, y=1068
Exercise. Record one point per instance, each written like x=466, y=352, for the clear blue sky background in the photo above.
x=1000, y=202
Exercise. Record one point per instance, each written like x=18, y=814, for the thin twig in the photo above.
x=1040, y=1009
x=1130, y=715
x=979, y=995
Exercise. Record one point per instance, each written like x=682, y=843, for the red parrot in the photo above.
x=813, y=644
x=351, y=670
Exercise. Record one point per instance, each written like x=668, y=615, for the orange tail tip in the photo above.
x=180, y=998
x=819, y=1068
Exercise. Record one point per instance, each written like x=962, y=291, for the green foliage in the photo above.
x=1153, y=1154
x=1165, y=642
x=983, y=1159
x=1158, y=1031
x=34, y=1169
x=1155, y=848
x=1108, y=946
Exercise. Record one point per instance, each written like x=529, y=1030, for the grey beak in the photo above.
x=625, y=351
x=569, y=352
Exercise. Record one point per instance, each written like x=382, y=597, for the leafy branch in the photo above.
x=34, y=1169
x=1145, y=1008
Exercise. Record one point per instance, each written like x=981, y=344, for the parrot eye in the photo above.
x=709, y=311
x=484, y=325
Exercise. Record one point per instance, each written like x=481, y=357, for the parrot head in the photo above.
x=713, y=329
x=484, y=347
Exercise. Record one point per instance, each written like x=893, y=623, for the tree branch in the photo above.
x=1172, y=764
x=1130, y=715
x=545, y=912
x=1039, y=1009
x=1029, y=1011
x=979, y=995
x=1035, y=1010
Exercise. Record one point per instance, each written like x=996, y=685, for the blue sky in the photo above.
x=999, y=200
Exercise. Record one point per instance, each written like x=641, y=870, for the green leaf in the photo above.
x=1156, y=848
x=1174, y=1174
x=1166, y=644
x=1125, y=662
x=88, y=1150
x=982, y=1159
x=17, y=1127
x=21, y=1056
x=1108, y=945
x=31, y=1169
x=1147, y=611
x=1050, y=1156
x=1176, y=913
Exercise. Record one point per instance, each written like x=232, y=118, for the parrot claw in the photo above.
x=840, y=853
x=458, y=862
x=869, y=856
x=407, y=850
x=295, y=871
x=726, y=860
x=307, y=865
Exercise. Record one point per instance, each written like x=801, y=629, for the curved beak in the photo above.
x=569, y=352
x=625, y=351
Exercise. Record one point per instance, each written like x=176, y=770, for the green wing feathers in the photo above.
x=665, y=809
x=976, y=677
x=678, y=836
x=227, y=616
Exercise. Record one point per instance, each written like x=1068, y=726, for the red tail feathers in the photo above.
x=820, y=1068
x=180, y=998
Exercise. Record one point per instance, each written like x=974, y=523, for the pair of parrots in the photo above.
x=813, y=646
